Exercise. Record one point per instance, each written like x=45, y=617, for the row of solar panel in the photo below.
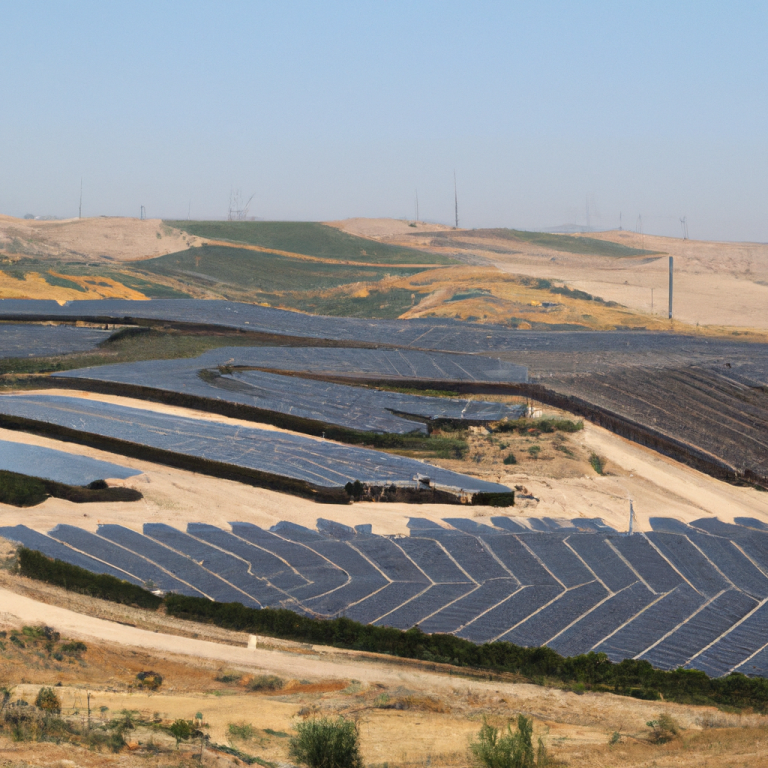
x=320, y=463
x=651, y=596
x=421, y=333
x=59, y=466
x=352, y=407
x=25, y=340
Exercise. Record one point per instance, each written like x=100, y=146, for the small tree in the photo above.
x=181, y=730
x=327, y=743
x=511, y=750
x=48, y=701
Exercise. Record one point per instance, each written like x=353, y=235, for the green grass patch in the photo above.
x=308, y=238
x=236, y=271
x=535, y=427
x=598, y=463
x=589, y=246
x=474, y=293
x=381, y=305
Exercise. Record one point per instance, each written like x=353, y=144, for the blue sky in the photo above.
x=326, y=110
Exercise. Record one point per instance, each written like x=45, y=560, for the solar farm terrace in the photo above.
x=691, y=596
x=224, y=380
x=313, y=467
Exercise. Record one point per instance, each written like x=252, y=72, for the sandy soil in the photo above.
x=98, y=239
x=657, y=485
x=722, y=284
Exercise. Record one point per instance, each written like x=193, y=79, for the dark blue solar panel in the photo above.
x=732, y=650
x=22, y=340
x=733, y=563
x=604, y=619
x=59, y=466
x=387, y=556
x=691, y=563
x=554, y=618
x=468, y=608
x=517, y=608
x=652, y=567
x=33, y=540
x=661, y=617
x=121, y=558
x=602, y=560
x=322, y=575
x=432, y=559
x=230, y=568
x=700, y=630
x=263, y=564
x=516, y=558
x=559, y=559
x=427, y=603
x=470, y=554
x=384, y=601
x=180, y=566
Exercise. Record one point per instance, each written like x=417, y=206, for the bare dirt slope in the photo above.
x=724, y=284
x=103, y=239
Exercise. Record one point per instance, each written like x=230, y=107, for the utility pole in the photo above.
x=80, y=210
x=455, y=200
x=671, y=282
x=143, y=214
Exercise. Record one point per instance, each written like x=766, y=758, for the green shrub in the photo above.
x=21, y=490
x=327, y=743
x=510, y=458
x=242, y=731
x=48, y=701
x=663, y=729
x=266, y=683
x=150, y=680
x=598, y=463
x=511, y=750
x=534, y=451
x=74, y=648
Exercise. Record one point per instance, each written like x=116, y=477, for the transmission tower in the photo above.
x=237, y=210
x=455, y=200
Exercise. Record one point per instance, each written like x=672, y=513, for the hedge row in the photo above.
x=35, y=565
x=592, y=671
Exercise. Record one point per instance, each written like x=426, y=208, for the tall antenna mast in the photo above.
x=455, y=200
x=80, y=210
x=684, y=225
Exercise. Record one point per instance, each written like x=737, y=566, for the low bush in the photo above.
x=149, y=680
x=510, y=750
x=48, y=701
x=266, y=683
x=510, y=458
x=545, y=424
x=327, y=743
x=598, y=463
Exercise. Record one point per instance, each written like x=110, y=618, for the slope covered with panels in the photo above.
x=530, y=588
x=25, y=340
x=59, y=466
x=318, y=463
x=357, y=408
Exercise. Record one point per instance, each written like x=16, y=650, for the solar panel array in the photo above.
x=696, y=597
x=357, y=408
x=420, y=333
x=24, y=340
x=58, y=466
x=319, y=463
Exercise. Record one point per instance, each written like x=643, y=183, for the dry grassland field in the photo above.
x=699, y=397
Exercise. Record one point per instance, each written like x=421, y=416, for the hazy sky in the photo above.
x=327, y=110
